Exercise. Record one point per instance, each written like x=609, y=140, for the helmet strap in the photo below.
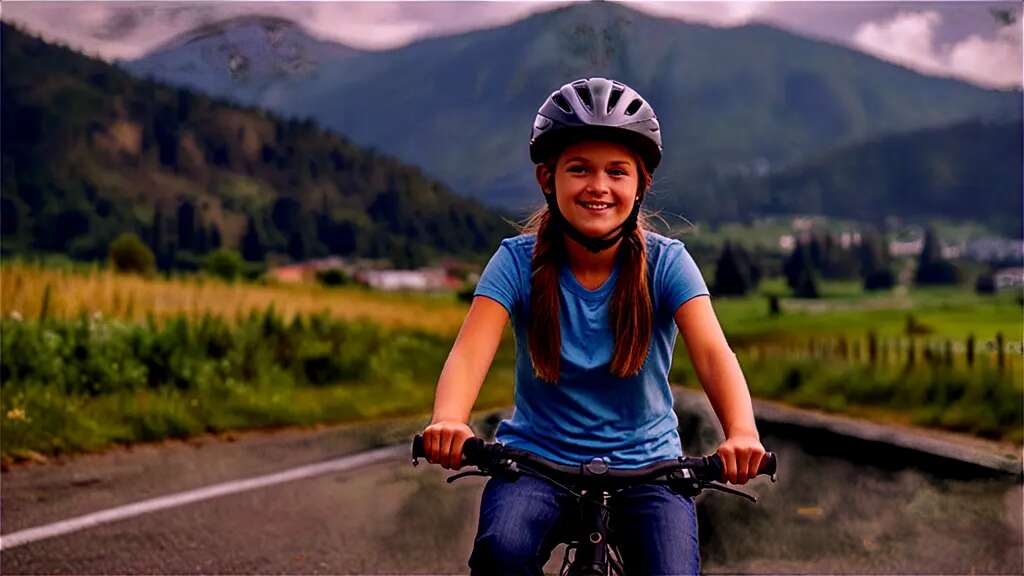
x=592, y=244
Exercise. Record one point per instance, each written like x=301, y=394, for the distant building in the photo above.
x=1008, y=278
x=992, y=249
x=373, y=273
x=906, y=247
x=423, y=279
x=306, y=271
x=291, y=274
x=848, y=239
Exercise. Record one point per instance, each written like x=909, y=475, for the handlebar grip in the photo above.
x=768, y=467
x=472, y=449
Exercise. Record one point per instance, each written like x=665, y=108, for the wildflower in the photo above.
x=16, y=414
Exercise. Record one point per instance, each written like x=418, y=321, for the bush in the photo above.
x=128, y=254
x=333, y=277
x=224, y=263
x=879, y=280
x=985, y=284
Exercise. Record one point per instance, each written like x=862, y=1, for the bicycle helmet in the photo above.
x=602, y=109
x=596, y=108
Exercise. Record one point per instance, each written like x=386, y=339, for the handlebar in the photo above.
x=492, y=456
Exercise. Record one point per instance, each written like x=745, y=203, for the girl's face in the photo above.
x=595, y=185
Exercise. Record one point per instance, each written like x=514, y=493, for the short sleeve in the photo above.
x=500, y=279
x=680, y=279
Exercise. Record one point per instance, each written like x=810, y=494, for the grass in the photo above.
x=93, y=358
x=33, y=291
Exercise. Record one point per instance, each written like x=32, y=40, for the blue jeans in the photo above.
x=523, y=518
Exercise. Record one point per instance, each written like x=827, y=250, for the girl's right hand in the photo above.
x=442, y=442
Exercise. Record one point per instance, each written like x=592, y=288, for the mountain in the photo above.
x=91, y=152
x=253, y=53
x=967, y=171
x=729, y=99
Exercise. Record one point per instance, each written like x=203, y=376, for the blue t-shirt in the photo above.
x=590, y=412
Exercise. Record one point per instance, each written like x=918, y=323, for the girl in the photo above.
x=595, y=302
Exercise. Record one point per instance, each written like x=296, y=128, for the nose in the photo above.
x=599, y=185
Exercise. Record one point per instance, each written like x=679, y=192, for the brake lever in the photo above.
x=455, y=477
x=726, y=489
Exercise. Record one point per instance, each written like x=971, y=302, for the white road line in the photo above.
x=344, y=463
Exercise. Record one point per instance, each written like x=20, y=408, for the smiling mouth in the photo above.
x=596, y=206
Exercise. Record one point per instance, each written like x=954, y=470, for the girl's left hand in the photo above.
x=741, y=457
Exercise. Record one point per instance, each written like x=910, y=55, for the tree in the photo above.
x=252, y=244
x=876, y=269
x=800, y=273
x=128, y=254
x=186, y=226
x=932, y=268
x=215, y=240
x=732, y=274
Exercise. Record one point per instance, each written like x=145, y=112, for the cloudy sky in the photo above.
x=976, y=41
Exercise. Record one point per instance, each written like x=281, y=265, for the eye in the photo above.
x=618, y=172
x=576, y=169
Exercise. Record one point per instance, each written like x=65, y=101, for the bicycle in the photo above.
x=590, y=552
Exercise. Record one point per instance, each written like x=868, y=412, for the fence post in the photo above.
x=970, y=350
x=44, y=308
x=1000, y=351
x=872, y=348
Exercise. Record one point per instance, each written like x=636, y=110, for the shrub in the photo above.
x=332, y=277
x=128, y=254
x=879, y=280
x=224, y=263
x=985, y=284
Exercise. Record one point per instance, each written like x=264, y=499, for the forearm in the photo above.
x=457, y=389
x=720, y=375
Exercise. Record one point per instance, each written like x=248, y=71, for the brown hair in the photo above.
x=631, y=314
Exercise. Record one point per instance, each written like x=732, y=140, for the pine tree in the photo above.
x=800, y=272
x=186, y=226
x=252, y=245
x=732, y=275
x=876, y=269
x=932, y=268
x=215, y=240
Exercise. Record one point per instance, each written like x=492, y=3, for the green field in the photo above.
x=77, y=379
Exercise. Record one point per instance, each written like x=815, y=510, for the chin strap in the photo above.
x=592, y=244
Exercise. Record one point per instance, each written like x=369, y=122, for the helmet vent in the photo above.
x=583, y=91
x=562, y=103
x=634, y=106
x=613, y=98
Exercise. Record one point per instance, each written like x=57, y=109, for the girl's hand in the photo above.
x=442, y=442
x=741, y=457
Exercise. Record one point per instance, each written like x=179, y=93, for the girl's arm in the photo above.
x=460, y=381
x=720, y=375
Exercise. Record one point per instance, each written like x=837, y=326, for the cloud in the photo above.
x=908, y=38
x=723, y=14
x=126, y=30
x=960, y=39
x=997, y=61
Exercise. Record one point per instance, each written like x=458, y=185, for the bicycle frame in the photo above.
x=593, y=554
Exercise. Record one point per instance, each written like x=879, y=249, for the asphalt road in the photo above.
x=832, y=511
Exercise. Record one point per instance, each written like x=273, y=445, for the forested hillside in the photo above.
x=90, y=152
x=970, y=171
